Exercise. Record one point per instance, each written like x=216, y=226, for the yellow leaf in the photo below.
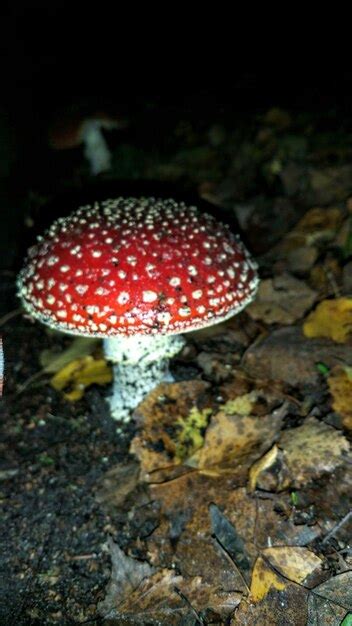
x=259, y=466
x=79, y=374
x=264, y=579
x=332, y=319
x=340, y=386
x=293, y=562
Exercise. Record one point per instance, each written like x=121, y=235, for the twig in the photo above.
x=199, y=619
x=28, y=382
x=232, y=561
x=337, y=527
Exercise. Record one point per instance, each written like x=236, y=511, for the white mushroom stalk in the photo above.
x=96, y=149
x=139, y=273
x=140, y=363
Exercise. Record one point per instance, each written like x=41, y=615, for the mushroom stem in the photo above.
x=140, y=364
x=96, y=149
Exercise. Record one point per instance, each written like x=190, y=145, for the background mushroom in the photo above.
x=87, y=130
x=137, y=272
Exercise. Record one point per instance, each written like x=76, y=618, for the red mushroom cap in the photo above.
x=136, y=266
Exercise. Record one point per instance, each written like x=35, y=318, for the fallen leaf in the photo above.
x=326, y=277
x=195, y=506
x=80, y=374
x=277, y=608
x=332, y=494
x=329, y=602
x=230, y=540
x=311, y=450
x=332, y=319
x=155, y=445
x=340, y=387
x=231, y=437
x=282, y=299
x=330, y=184
x=318, y=224
x=126, y=575
x=260, y=466
x=137, y=594
x=286, y=355
x=294, y=562
x=302, y=259
x=116, y=484
x=281, y=564
x=264, y=578
x=53, y=361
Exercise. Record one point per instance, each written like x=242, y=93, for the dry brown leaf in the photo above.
x=156, y=444
x=126, y=575
x=166, y=598
x=282, y=299
x=302, y=259
x=340, y=386
x=311, y=450
x=288, y=356
x=332, y=319
x=184, y=535
x=294, y=562
x=170, y=434
x=116, y=484
x=80, y=374
x=329, y=602
x=278, y=608
x=316, y=226
x=260, y=466
x=230, y=438
x=137, y=594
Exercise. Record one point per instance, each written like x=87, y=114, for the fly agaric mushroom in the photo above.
x=71, y=132
x=137, y=272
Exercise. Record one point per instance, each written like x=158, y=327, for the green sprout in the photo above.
x=323, y=369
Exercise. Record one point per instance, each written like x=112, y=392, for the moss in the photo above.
x=191, y=432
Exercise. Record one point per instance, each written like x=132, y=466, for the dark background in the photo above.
x=151, y=71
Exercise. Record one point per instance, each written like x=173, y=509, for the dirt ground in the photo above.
x=227, y=499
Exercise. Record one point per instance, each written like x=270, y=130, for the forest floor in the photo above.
x=227, y=499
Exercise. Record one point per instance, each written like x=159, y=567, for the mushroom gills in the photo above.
x=141, y=362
